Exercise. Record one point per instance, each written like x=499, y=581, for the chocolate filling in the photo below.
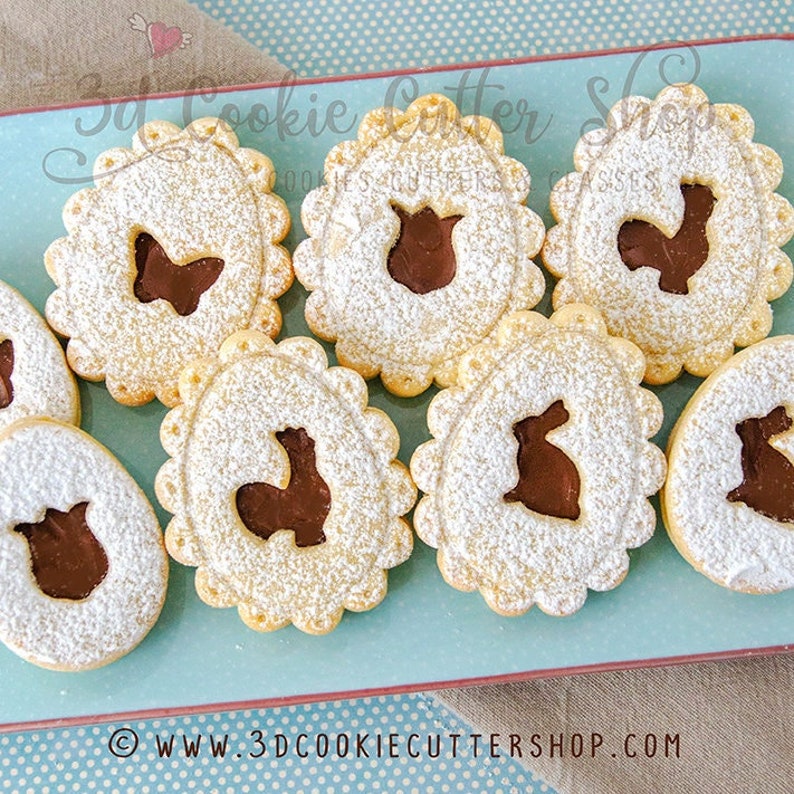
x=67, y=559
x=768, y=484
x=548, y=481
x=181, y=285
x=6, y=368
x=422, y=258
x=301, y=507
x=642, y=244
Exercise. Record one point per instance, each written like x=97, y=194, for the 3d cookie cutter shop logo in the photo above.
x=695, y=120
x=474, y=93
x=280, y=118
x=424, y=180
x=336, y=117
x=130, y=115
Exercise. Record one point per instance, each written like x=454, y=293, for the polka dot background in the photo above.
x=312, y=749
x=328, y=37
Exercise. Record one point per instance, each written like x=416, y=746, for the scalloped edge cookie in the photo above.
x=161, y=186
x=514, y=556
x=223, y=436
x=727, y=301
x=425, y=156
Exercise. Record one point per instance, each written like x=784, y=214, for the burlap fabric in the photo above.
x=723, y=726
x=62, y=51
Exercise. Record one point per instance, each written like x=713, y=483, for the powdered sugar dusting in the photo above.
x=196, y=196
x=52, y=465
x=227, y=427
x=425, y=157
x=633, y=169
x=728, y=541
x=514, y=555
x=42, y=382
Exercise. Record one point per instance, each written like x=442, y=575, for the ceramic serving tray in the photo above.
x=425, y=633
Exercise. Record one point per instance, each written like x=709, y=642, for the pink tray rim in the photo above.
x=292, y=79
x=529, y=675
x=402, y=689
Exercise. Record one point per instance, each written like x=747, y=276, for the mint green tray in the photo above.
x=425, y=633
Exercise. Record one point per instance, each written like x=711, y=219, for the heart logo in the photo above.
x=163, y=39
x=548, y=481
x=422, y=258
x=301, y=507
x=6, y=368
x=67, y=559
x=159, y=278
x=768, y=483
x=642, y=244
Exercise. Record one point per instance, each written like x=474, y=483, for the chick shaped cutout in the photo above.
x=671, y=228
x=283, y=485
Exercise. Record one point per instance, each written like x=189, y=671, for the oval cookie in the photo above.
x=728, y=502
x=83, y=570
x=283, y=485
x=419, y=243
x=538, y=473
x=670, y=227
x=174, y=249
x=34, y=377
